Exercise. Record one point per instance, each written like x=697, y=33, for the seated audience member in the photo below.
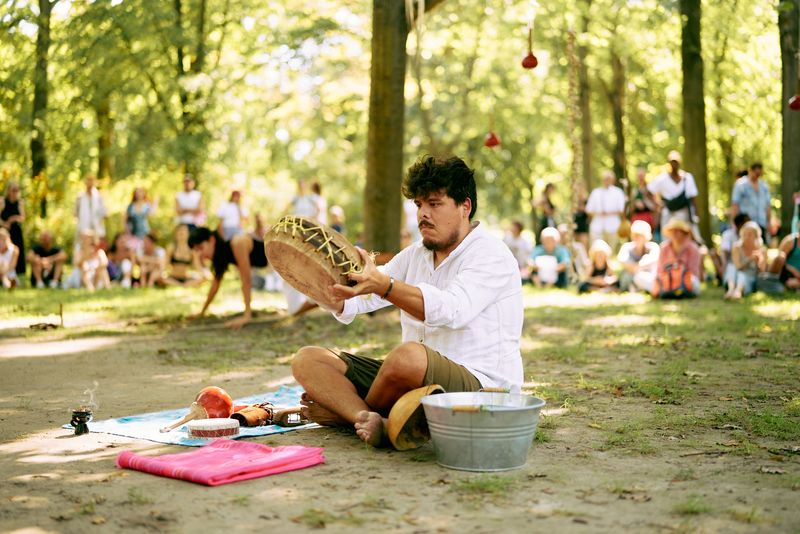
x=599, y=277
x=151, y=262
x=639, y=259
x=679, y=267
x=92, y=262
x=787, y=262
x=728, y=238
x=183, y=265
x=577, y=251
x=549, y=261
x=47, y=262
x=9, y=252
x=120, y=261
x=520, y=247
x=748, y=258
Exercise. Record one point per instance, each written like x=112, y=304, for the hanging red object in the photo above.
x=491, y=140
x=530, y=61
x=794, y=102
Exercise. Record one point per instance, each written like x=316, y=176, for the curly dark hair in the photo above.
x=430, y=174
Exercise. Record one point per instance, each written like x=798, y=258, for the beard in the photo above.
x=434, y=246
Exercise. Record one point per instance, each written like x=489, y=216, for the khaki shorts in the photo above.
x=362, y=370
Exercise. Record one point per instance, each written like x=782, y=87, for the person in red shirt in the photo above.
x=681, y=250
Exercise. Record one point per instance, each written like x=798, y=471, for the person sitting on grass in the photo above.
x=600, y=276
x=728, y=238
x=461, y=312
x=120, y=261
x=679, y=267
x=8, y=260
x=92, y=262
x=183, y=265
x=787, y=262
x=47, y=262
x=549, y=261
x=151, y=261
x=243, y=251
x=748, y=258
x=639, y=259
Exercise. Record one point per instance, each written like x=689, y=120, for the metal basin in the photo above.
x=482, y=431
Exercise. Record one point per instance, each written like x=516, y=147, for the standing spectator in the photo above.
x=92, y=262
x=304, y=203
x=549, y=261
x=547, y=210
x=233, y=216
x=599, y=276
x=606, y=207
x=639, y=259
x=8, y=260
x=676, y=191
x=748, y=258
x=90, y=212
x=137, y=217
x=751, y=196
x=322, y=203
x=581, y=220
x=12, y=215
x=151, y=262
x=643, y=203
x=679, y=268
x=189, y=204
x=337, y=219
x=47, y=262
x=520, y=247
x=787, y=263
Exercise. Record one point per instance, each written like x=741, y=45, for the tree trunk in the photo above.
x=105, y=126
x=385, y=136
x=789, y=23
x=40, y=92
x=617, y=99
x=694, y=109
x=584, y=94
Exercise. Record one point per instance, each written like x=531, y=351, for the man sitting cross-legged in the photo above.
x=460, y=298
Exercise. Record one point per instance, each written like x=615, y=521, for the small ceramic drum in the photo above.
x=213, y=428
x=311, y=256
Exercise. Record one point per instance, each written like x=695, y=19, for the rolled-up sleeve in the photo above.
x=468, y=294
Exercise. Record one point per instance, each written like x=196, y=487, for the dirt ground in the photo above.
x=611, y=455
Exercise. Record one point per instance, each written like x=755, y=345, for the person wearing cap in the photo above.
x=189, y=204
x=680, y=251
x=232, y=216
x=606, y=207
x=751, y=196
x=676, y=191
x=549, y=261
x=639, y=259
x=599, y=276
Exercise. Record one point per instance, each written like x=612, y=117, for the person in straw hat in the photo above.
x=639, y=259
x=460, y=300
x=680, y=251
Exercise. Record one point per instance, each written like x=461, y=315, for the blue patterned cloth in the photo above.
x=147, y=426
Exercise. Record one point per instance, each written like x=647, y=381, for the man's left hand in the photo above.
x=370, y=280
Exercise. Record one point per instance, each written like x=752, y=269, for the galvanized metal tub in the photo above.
x=482, y=431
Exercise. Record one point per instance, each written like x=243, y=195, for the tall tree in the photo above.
x=694, y=109
x=386, y=133
x=40, y=92
x=789, y=23
x=584, y=98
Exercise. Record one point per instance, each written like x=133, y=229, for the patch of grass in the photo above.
x=241, y=500
x=138, y=497
x=769, y=422
x=753, y=515
x=684, y=475
x=423, y=456
x=629, y=437
x=317, y=518
x=694, y=505
x=491, y=485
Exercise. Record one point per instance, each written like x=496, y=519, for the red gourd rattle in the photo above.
x=211, y=403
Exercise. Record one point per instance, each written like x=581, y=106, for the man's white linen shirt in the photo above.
x=473, y=306
x=609, y=201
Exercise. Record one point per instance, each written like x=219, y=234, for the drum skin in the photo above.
x=311, y=256
x=215, y=401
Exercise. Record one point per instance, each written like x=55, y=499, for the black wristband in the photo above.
x=391, y=285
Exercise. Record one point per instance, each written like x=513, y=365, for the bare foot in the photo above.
x=371, y=428
x=322, y=416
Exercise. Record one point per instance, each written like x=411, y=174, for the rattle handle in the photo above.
x=195, y=412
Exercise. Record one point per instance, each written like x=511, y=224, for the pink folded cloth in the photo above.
x=224, y=461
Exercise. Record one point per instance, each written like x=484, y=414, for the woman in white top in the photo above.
x=9, y=253
x=232, y=216
x=189, y=204
x=748, y=258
